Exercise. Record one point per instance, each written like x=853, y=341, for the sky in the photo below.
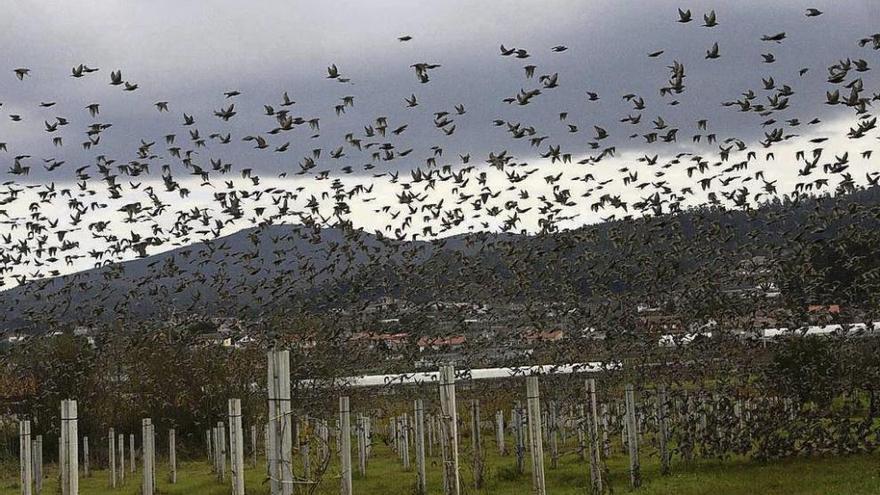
x=190, y=53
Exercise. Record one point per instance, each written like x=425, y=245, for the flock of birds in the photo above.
x=115, y=208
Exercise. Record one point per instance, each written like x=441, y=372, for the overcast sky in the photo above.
x=189, y=53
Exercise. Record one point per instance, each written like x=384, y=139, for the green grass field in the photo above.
x=852, y=475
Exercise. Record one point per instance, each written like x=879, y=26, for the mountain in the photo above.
x=248, y=266
x=258, y=270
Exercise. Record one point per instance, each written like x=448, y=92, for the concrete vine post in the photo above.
x=360, y=431
x=69, y=448
x=553, y=433
x=147, y=455
x=25, y=457
x=419, y=417
x=592, y=427
x=345, y=445
x=236, y=447
x=449, y=430
x=519, y=438
x=215, y=460
x=499, y=432
x=536, y=440
x=254, y=445
x=632, y=433
x=280, y=444
x=209, y=445
x=120, y=452
x=606, y=441
x=86, y=466
x=404, y=441
x=111, y=457
x=476, y=444
x=583, y=448
x=221, y=450
x=172, y=456
x=38, y=464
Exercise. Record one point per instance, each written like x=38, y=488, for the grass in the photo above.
x=850, y=475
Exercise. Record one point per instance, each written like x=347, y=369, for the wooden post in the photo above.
x=254, y=445
x=535, y=436
x=606, y=441
x=365, y=433
x=449, y=430
x=431, y=435
x=325, y=444
x=236, y=447
x=404, y=441
x=583, y=448
x=519, y=438
x=592, y=428
x=215, y=449
x=632, y=437
x=111, y=457
x=280, y=426
x=86, y=468
x=304, y=448
x=662, y=431
x=337, y=436
x=499, y=432
x=368, y=436
x=69, y=448
x=553, y=426
x=545, y=426
x=153, y=451
x=221, y=450
x=38, y=464
x=476, y=444
x=147, y=443
x=172, y=456
x=360, y=430
x=132, y=465
x=120, y=453
x=25, y=456
x=395, y=432
x=209, y=444
x=444, y=455
x=345, y=445
x=266, y=449
x=562, y=419
x=419, y=417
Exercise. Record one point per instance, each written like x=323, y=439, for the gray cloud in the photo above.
x=189, y=54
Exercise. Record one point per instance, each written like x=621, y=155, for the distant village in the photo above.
x=394, y=329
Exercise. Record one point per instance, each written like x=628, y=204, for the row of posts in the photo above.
x=31, y=455
x=593, y=440
x=445, y=427
x=442, y=430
